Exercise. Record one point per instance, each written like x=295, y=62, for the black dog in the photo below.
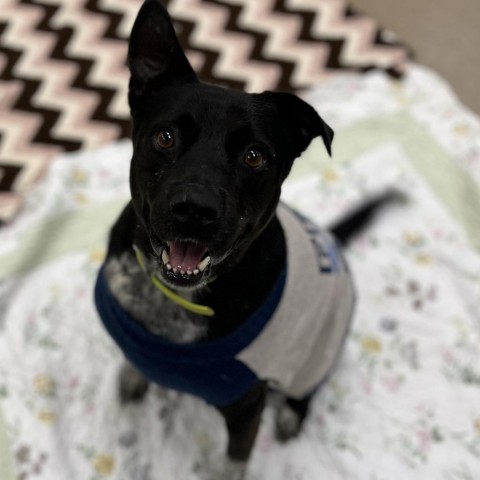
x=198, y=288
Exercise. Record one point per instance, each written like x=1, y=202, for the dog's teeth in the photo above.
x=182, y=272
x=196, y=271
x=189, y=272
x=203, y=264
x=165, y=257
x=169, y=266
x=175, y=270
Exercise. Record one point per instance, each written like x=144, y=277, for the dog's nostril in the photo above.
x=187, y=211
x=206, y=213
x=180, y=210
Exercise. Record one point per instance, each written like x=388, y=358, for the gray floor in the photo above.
x=444, y=34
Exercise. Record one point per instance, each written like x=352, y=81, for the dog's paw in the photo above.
x=288, y=423
x=132, y=386
x=222, y=469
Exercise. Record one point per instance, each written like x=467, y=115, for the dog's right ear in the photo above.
x=155, y=56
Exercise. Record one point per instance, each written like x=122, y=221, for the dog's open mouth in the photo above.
x=185, y=263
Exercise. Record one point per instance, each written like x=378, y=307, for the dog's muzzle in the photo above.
x=189, y=224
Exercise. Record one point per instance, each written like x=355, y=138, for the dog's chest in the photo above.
x=139, y=297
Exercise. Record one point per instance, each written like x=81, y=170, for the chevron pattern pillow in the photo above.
x=64, y=79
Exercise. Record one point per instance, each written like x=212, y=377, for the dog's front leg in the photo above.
x=132, y=385
x=242, y=419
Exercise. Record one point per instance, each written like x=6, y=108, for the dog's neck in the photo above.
x=239, y=290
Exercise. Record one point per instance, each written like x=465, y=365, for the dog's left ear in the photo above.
x=301, y=120
x=154, y=52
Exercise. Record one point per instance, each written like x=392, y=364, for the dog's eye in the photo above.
x=254, y=159
x=165, y=139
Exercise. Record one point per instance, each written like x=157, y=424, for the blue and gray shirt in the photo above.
x=291, y=341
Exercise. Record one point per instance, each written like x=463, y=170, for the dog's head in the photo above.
x=208, y=162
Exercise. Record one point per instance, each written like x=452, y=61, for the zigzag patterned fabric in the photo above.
x=64, y=78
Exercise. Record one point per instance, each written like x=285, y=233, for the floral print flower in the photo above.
x=46, y=416
x=371, y=344
x=389, y=324
x=413, y=239
x=476, y=426
x=80, y=176
x=104, y=464
x=30, y=462
x=424, y=259
x=330, y=175
x=97, y=255
x=81, y=199
x=23, y=454
x=44, y=385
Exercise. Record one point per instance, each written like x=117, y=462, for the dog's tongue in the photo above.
x=185, y=255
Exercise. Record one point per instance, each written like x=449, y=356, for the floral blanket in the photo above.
x=403, y=402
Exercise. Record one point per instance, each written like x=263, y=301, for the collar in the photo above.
x=171, y=295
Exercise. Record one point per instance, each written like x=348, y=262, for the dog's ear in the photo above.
x=154, y=53
x=301, y=121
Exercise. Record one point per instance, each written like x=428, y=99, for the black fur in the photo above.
x=200, y=189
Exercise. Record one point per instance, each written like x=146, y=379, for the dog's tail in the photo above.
x=355, y=220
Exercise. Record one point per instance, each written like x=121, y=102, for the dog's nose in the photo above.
x=194, y=206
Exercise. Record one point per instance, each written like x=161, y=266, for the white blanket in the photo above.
x=404, y=401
